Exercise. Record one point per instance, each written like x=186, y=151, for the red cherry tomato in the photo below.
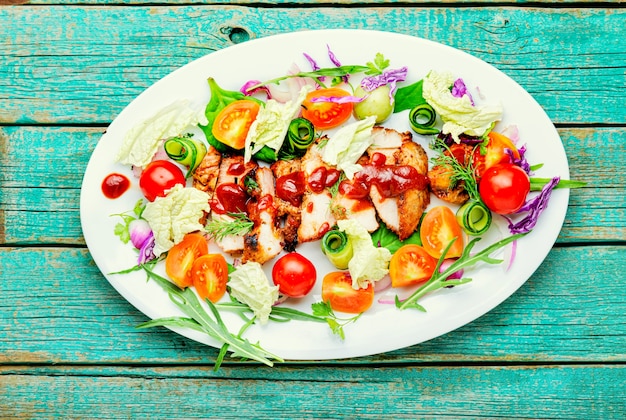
x=181, y=256
x=209, y=275
x=495, y=153
x=158, y=177
x=504, y=187
x=325, y=114
x=232, y=123
x=411, y=264
x=337, y=290
x=294, y=275
x=439, y=227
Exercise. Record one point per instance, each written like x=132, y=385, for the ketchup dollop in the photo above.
x=229, y=198
x=291, y=187
x=114, y=185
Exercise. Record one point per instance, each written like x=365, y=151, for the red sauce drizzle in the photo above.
x=236, y=169
x=114, y=185
x=291, y=188
x=390, y=180
x=378, y=159
x=229, y=198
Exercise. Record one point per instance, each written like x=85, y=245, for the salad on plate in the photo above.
x=232, y=193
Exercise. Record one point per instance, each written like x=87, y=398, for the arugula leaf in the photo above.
x=209, y=323
x=334, y=72
x=467, y=259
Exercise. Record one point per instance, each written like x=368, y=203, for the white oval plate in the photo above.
x=383, y=328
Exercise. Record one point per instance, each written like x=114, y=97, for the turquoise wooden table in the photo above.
x=68, y=343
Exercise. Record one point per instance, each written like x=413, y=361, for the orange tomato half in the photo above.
x=439, y=227
x=410, y=265
x=326, y=114
x=338, y=292
x=209, y=274
x=231, y=125
x=181, y=256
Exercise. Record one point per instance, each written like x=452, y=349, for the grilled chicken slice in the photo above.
x=442, y=184
x=264, y=241
x=288, y=212
x=206, y=174
x=401, y=213
x=362, y=210
x=233, y=170
x=316, y=216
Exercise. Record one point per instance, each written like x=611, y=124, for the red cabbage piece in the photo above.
x=459, y=90
x=388, y=77
x=535, y=206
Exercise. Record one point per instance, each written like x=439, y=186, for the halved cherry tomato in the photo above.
x=181, y=256
x=294, y=275
x=158, y=177
x=439, y=227
x=495, y=153
x=326, y=114
x=209, y=275
x=232, y=124
x=410, y=265
x=338, y=292
x=503, y=188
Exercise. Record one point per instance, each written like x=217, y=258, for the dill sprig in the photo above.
x=220, y=228
x=460, y=172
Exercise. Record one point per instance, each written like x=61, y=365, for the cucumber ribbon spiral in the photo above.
x=338, y=248
x=186, y=151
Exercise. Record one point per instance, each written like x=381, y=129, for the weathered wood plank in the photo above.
x=401, y=392
x=334, y=3
x=571, y=60
x=41, y=171
x=56, y=307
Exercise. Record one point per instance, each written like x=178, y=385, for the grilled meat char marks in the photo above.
x=265, y=240
x=315, y=210
x=291, y=201
x=289, y=180
x=230, y=197
x=400, y=213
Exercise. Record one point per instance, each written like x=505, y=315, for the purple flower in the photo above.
x=459, y=90
x=534, y=207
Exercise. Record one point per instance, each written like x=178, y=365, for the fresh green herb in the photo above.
x=334, y=72
x=467, y=259
x=536, y=184
x=385, y=238
x=378, y=66
x=220, y=98
x=218, y=229
x=199, y=319
x=122, y=229
x=408, y=97
x=460, y=172
x=336, y=324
